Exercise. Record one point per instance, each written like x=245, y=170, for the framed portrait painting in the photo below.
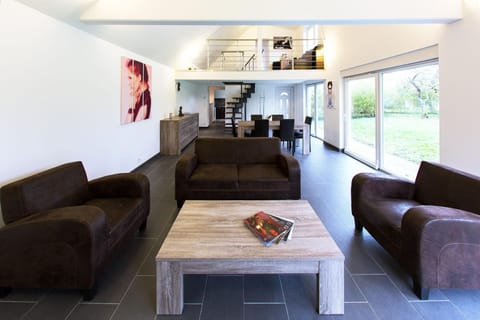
x=136, y=101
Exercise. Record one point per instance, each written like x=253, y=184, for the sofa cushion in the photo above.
x=440, y=185
x=385, y=217
x=215, y=176
x=258, y=150
x=216, y=150
x=262, y=176
x=64, y=185
x=237, y=150
x=120, y=214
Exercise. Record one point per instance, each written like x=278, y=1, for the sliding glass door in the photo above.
x=410, y=118
x=392, y=118
x=360, y=125
x=315, y=108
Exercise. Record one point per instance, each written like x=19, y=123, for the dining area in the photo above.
x=287, y=130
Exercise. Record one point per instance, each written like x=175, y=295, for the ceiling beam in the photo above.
x=272, y=12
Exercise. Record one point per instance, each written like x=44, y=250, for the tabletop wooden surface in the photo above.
x=215, y=230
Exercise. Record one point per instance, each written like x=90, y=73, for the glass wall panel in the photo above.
x=360, y=129
x=410, y=119
x=397, y=131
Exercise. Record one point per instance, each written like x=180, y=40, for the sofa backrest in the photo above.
x=440, y=185
x=237, y=150
x=65, y=185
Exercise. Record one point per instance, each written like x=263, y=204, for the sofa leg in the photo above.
x=422, y=293
x=4, y=292
x=180, y=203
x=88, y=294
x=358, y=225
x=143, y=226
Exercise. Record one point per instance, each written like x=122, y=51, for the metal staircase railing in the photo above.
x=236, y=109
x=265, y=54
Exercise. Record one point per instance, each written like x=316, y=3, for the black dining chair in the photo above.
x=261, y=128
x=276, y=117
x=253, y=117
x=287, y=133
x=299, y=133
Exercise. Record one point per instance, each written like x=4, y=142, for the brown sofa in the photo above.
x=237, y=168
x=61, y=229
x=431, y=226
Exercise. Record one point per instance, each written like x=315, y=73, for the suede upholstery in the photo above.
x=61, y=229
x=431, y=226
x=237, y=168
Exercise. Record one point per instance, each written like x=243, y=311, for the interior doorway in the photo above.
x=284, y=102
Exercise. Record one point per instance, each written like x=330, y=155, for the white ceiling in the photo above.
x=162, y=43
x=167, y=41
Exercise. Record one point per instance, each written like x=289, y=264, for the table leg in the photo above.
x=306, y=140
x=240, y=131
x=169, y=288
x=330, y=281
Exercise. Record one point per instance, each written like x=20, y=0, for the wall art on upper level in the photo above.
x=282, y=42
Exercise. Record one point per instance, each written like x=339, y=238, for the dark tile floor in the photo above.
x=375, y=285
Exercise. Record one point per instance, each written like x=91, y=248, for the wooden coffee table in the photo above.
x=208, y=237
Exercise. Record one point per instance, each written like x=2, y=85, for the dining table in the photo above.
x=275, y=125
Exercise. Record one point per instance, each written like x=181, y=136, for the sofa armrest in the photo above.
x=441, y=246
x=377, y=185
x=183, y=170
x=290, y=166
x=185, y=166
x=120, y=185
x=66, y=246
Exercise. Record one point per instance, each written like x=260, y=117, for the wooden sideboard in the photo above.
x=177, y=132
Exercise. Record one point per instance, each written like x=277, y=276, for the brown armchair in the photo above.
x=431, y=226
x=61, y=228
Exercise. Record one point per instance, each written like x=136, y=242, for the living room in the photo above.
x=60, y=90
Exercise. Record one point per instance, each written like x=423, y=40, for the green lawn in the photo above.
x=410, y=137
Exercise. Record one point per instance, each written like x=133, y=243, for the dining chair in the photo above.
x=287, y=133
x=261, y=128
x=299, y=133
x=276, y=117
x=256, y=117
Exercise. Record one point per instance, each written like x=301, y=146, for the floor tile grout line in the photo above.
x=358, y=287
x=264, y=302
x=395, y=285
x=73, y=309
x=123, y=296
x=98, y=303
x=131, y=282
x=203, y=297
x=284, y=297
x=35, y=304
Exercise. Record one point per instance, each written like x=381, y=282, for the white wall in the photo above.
x=60, y=99
x=193, y=97
x=350, y=46
x=353, y=46
x=459, y=91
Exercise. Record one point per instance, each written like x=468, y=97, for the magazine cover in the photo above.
x=289, y=223
x=266, y=228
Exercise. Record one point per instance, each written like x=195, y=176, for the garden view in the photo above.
x=410, y=122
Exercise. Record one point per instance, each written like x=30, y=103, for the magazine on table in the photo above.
x=269, y=228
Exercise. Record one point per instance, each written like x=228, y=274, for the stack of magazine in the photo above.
x=269, y=228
